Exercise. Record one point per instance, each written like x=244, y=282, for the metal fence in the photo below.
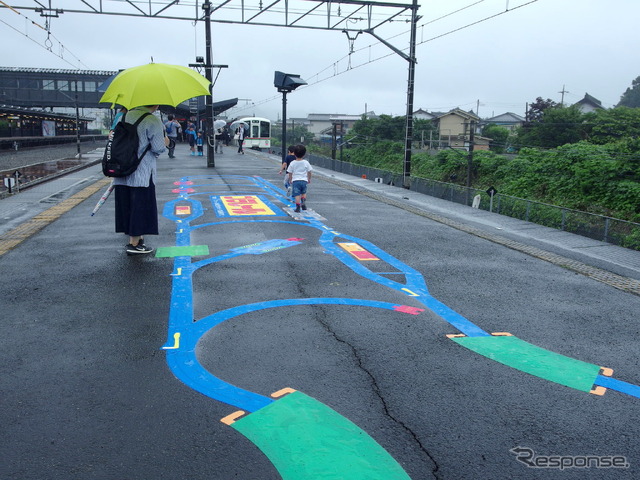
x=598, y=227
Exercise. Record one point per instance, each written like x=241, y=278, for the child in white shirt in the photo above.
x=299, y=171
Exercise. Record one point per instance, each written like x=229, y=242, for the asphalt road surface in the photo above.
x=122, y=368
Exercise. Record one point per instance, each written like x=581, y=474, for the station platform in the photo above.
x=584, y=255
x=136, y=366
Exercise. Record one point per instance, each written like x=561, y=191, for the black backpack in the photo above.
x=121, y=154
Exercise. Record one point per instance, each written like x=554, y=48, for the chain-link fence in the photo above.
x=598, y=227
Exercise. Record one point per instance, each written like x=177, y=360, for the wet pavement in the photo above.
x=109, y=359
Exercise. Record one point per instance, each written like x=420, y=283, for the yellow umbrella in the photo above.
x=155, y=84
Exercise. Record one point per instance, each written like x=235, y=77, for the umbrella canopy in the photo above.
x=219, y=124
x=237, y=123
x=155, y=84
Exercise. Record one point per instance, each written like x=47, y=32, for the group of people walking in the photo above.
x=175, y=133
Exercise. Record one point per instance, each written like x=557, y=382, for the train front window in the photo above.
x=265, y=130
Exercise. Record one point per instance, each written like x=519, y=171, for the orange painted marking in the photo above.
x=242, y=205
x=183, y=210
x=282, y=392
x=606, y=371
x=358, y=252
x=229, y=419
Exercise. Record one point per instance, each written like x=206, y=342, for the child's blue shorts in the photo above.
x=299, y=188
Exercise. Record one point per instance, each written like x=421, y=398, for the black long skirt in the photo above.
x=136, y=210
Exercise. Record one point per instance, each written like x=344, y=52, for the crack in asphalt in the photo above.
x=377, y=390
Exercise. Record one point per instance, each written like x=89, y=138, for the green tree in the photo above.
x=606, y=126
x=499, y=137
x=557, y=126
x=384, y=127
x=423, y=131
x=631, y=97
x=536, y=109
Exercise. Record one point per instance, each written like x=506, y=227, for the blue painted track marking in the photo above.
x=618, y=385
x=181, y=355
x=183, y=361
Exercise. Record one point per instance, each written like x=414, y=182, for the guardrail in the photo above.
x=598, y=227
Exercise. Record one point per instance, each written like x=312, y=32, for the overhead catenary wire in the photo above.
x=334, y=66
x=47, y=45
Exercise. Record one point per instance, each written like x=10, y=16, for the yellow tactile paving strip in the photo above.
x=14, y=237
x=617, y=281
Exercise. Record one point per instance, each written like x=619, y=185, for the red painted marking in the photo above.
x=246, y=210
x=183, y=210
x=408, y=309
x=363, y=255
x=241, y=201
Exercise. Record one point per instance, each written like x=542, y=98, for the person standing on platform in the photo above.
x=200, y=144
x=219, y=140
x=191, y=137
x=173, y=129
x=240, y=135
x=135, y=195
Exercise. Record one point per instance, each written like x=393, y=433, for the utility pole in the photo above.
x=78, y=124
x=406, y=169
x=563, y=91
x=208, y=69
x=470, y=157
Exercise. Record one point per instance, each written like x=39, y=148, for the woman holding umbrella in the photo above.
x=135, y=194
x=141, y=89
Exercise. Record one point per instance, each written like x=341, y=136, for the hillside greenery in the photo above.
x=588, y=162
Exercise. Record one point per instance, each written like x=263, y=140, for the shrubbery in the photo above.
x=599, y=179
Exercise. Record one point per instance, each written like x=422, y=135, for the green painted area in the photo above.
x=518, y=354
x=305, y=439
x=186, y=251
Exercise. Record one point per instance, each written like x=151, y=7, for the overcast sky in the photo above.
x=510, y=57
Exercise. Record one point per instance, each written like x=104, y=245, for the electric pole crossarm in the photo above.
x=396, y=50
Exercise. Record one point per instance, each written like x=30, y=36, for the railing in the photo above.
x=598, y=227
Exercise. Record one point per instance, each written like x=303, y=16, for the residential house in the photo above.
x=454, y=129
x=322, y=123
x=508, y=120
x=424, y=115
x=589, y=104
